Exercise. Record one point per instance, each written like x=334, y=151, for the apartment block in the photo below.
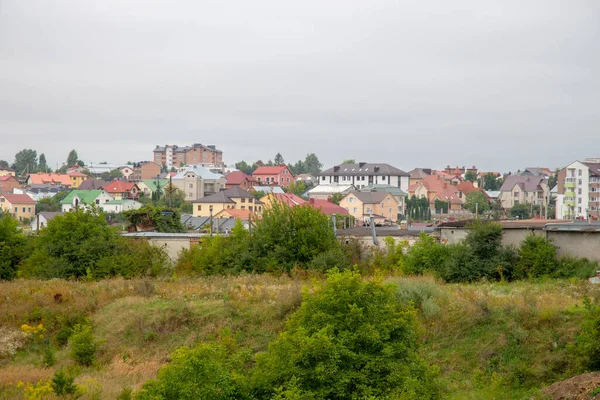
x=579, y=190
x=176, y=156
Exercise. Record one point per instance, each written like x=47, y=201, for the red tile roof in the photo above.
x=327, y=207
x=289, y=199
x=7, y=177
x=443, y=191
x=275, y=170
x=42, y=178
x=18, y=198
x=118, y=187
x=237, y=177
x=238, y=214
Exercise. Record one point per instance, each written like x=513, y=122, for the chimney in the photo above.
x=361, y=164
x=376, y=168
x=336, y=168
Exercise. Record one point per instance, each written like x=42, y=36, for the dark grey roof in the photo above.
x=49, y=215
x=530, y=183
x=363, y=169
x=419, y=173
x=237, y=192
x=92, y=184
x=220, y=197
x=594, y=168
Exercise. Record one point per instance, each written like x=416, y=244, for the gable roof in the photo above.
x=237, y=177
x=289, y=199
x=393, y=190
x=370, y=197
x=42, y=178
x=268, y=189
x=85, y=196
x=49, y=215
x=419, y=173
x=327, y=207
x=528, y=183
x=362, y=168
x=225, y=196
x=237, y=214
x=467, y=187
x=92, y=184
x=7, y=177
x=274, y=170
x=151, y=183
x=443, y=190
x=594, y=168
x=118, y=187
x=18, y=198
x=331, y=188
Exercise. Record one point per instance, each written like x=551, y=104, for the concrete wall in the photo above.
x=579, y=244
x=173, y=246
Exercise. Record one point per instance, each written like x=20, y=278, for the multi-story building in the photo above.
x=175, y=156
x=20, y=206
x=198, y=182
x=579, y=190
x=362, y=205
x=274, y=175
x=365, y=174
x=228, y=199
x=524, y=189
x=145, y=170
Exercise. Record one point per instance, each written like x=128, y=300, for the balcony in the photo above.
x=569, y=204
x=570, y=194
x=570, y=184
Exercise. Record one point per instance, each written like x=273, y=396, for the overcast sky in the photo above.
x=499, y=84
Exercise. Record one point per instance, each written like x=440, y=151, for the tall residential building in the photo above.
x=365, y=174
x=579, y=190
x=175, y=156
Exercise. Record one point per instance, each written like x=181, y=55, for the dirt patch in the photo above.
x=576, y=388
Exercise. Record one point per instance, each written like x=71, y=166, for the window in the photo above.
x=579, y=191
x=243, y=200
x=390, y=210
x=29, y=209
x=97, y=201
x=579, y=200
x=580, y=172
x=190, y=194
x=250, y=208
x=580, y=181
x=23, y=209
x=16, y=209
x=350, y=199
x=199, y=208
x=288, y=179
x=243, y=207
x=322, y=178
x=382, y=205
x=354, y=209
x=191, y=186
x=250, y=200
x=579, y=209
x=368, y=210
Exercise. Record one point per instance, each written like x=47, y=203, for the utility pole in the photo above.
x=171, y=199
x=476, y=210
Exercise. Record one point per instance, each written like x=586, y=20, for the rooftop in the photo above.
x=363, y=168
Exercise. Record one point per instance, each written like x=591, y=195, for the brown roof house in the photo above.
x=8, y=183
x=238, y=178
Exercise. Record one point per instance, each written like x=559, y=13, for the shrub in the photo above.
x=82, y=244
x=125, y=394
x=537, y=257
x=587, y=345
x=49, y=357
x=350, y=339
x=425, y=255
x=83, y=345
x=425, y=296
x=12, y=247
x=62, y=384
x=208, y=371
x=569, y=266
x=332, y=258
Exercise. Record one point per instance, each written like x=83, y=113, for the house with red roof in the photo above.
x=20, y=206
x=291, y=200
x=121, y=190
x=433, y=188
x=279, y=175
x=239, y=179
x=466, y=187
x=8, y=183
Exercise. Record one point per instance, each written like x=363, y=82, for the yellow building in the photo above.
x=77, y=179
x=361, y=205
x=229, y=199
x=7, y=171
x=20, y=206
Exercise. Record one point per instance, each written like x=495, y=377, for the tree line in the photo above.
x=27, y=161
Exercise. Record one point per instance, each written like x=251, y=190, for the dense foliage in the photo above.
x=82, y=244
x=350, y=339
x=160, y=219
x=12, y=247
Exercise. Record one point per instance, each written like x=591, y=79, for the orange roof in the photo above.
x=18, y=199
x=118, y=187
x=443, y=190
x=237, y=177
x=77, y=173
x=43, y=178
x=238, y=214
x=269, y=170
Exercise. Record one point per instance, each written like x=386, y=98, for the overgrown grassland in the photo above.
x=490, y=341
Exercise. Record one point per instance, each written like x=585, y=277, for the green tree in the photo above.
x=312, y=165
x=297, y=188
x=278, y=159
x=286, y=236
x=476, y=201
x=553, y=179
x=47, y=204
x=336, y=198
x=350, y=339
x=349, y=161
x=4, y=164
x=520, y=211
x=441, y=205
x=245, y=167
x=72, y=159
x=491, y=182
x=172, y=197
x=161, y=219
x=83, y=345
x=12, y=247
x=471, y=176
x=109, y=176
x=259, y=194
x=537, y=257
x=42, y=164
x=26, y=160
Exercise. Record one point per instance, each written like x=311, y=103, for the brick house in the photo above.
x=8, y=183
x=277, y=175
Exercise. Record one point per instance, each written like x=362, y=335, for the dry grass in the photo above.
x=141, y=322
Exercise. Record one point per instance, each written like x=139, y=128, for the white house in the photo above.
x=364, y=174
x=41, y=220
x=118, y=206
x=81, y=198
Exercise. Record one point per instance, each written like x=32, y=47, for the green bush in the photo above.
x=569, y=266
x=587, y=345
x=425, y=255
x=83, y=345
x=62, y=384
x=425, y=296
x=12, y=247
x=49, y=357
x=349, y=340
x=335, y=257
x=208, y=371
x=537, y=257
x=82, y=244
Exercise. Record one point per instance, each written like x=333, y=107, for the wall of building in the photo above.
x=579, y=244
